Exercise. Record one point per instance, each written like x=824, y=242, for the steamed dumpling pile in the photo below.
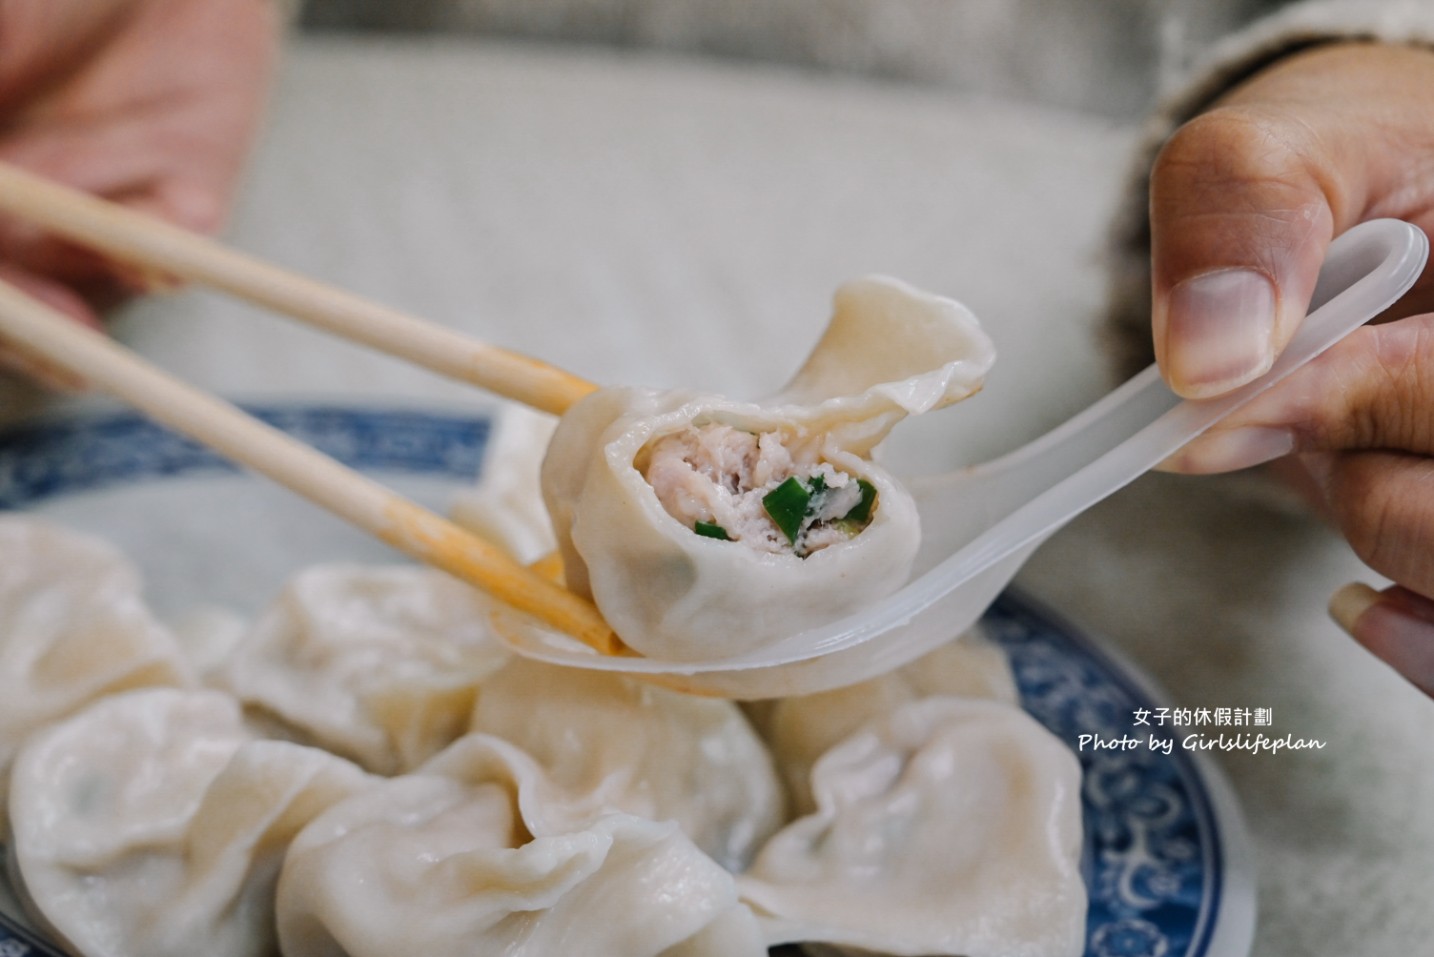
x=431, y=792
x=704, y=527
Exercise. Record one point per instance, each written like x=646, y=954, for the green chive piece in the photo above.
x=787, y=506
x=860, y=513
x=712, y=530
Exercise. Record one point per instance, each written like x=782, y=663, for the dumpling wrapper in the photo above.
x=505, y=506
x=480, y=853
x=641, y=749
x=888, y=352
x=209, y=635
x=73, y=628
x=377, y=663
x=152, y=824
x=799, y=730
x=948, y=827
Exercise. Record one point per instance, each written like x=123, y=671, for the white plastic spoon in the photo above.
x=979, y=524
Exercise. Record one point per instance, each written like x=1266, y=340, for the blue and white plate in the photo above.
x=1164, y=857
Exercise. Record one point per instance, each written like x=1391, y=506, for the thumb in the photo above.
x=1245, y=199
x=1240, y=221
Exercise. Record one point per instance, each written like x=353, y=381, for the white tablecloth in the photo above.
x=658, y=221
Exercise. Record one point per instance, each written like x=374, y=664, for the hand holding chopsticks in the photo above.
x=34, y=328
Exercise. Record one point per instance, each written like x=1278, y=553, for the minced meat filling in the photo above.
x=762, y=489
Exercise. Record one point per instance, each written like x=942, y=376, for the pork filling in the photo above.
x=770, y=491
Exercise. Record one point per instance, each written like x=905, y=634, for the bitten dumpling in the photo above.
x=153, y=824
x=479, y=852
x=704, y=527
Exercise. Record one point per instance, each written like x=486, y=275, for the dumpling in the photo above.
x=480, y=853
x=950, y=826
x=73, y=627
x=153, y=824
x=505, y=506
x=704, y=527
x=379, y=664
x=799, y=730
x=641, y=749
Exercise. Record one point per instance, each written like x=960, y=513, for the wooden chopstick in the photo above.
x=148, y=242
x=36, y=329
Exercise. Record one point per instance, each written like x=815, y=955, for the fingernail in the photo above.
x=1229, y=450
x=1397, y=626
x=1349, y=602
x=1219, y=329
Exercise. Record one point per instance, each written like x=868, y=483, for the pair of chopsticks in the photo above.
x=41, y=332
